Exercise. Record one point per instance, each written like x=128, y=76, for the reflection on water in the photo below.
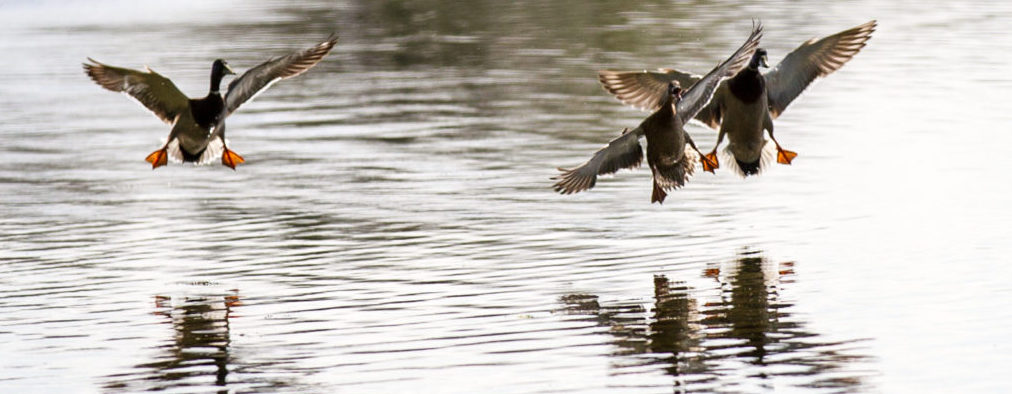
x=199, y=352
x=394, y=226
x=702, y=339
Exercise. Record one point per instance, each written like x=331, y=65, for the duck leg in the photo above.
x=784, y=156
x=228, y=157
x=708, y=163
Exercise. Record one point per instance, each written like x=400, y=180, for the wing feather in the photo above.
x=149, y=88
x=645, y=90
x=813, y=59
x=700, y=94
x=258, y=78
x=622, y=152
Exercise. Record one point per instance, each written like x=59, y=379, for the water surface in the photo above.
x=394, y=228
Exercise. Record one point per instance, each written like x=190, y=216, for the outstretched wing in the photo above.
x=643, y=89
x=621, y=152
x=258, y=78
x=699, y=94
x=811, y=60
x=152, y=90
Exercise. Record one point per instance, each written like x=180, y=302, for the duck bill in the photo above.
x=762, y=61
x=228, y=70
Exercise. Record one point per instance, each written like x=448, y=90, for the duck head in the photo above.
x=758, y=59
x=675, y=91
x=219, y=69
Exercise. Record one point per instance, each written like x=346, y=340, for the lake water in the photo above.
x=394, y=228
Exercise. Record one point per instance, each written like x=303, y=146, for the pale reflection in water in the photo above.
x=199, y=354
x=703, y=344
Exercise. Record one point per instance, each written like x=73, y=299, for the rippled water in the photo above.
x=394, y=229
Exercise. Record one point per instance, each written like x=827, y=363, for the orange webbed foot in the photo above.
x=710, y=162
x=230, y=159
x=158, y=158
x=785, y=156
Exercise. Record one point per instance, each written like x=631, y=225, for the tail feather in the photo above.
x=673, y=176
x=212, y=152
x=743, y=168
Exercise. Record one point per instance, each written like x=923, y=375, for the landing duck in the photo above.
x=671, y=153
x=746, y=105
x=198, y=124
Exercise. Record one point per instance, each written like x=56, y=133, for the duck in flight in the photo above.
x=746, y=105
x=671, y=153
x=198, y=125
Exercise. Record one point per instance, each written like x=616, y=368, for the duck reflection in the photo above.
x=702, y=338
x=200, y=345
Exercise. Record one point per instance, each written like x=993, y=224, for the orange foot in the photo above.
x=710, y=162
x=785, y=156
x=231, y=159
x=158, y=158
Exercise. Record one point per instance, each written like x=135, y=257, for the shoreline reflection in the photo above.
x=738, y=335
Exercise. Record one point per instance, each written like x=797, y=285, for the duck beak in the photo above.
x=763, y=61
x=228, y=70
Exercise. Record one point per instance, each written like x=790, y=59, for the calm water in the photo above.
x=394, y=228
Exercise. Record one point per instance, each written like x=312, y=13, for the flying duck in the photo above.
x=198, y=124
x=746, y=104
x=671, y=153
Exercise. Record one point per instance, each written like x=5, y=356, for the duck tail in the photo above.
x=673, y=176
x=745, y=169
x=212, y=152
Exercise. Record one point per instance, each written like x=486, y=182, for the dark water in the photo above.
x=394, y=229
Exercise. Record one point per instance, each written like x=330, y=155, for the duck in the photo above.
x=198, y=124
x=671, y=153
x=745, y=105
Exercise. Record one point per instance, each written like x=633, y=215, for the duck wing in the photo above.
x=258, y=78
x=149, y=88
x=811, y=60
x=622, y=152
x=645, y=90
x=700, y=94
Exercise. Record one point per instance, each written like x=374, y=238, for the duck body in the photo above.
x=194, y=128
x=745, y=96
x=670, y=161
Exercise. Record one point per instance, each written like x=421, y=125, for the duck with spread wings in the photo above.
x=746, y=105
x=671, y=153
x=198, y=125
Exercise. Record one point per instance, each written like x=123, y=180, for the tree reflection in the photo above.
x=200, y=345
x=704, y=347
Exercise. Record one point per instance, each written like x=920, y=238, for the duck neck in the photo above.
x=216, y=76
